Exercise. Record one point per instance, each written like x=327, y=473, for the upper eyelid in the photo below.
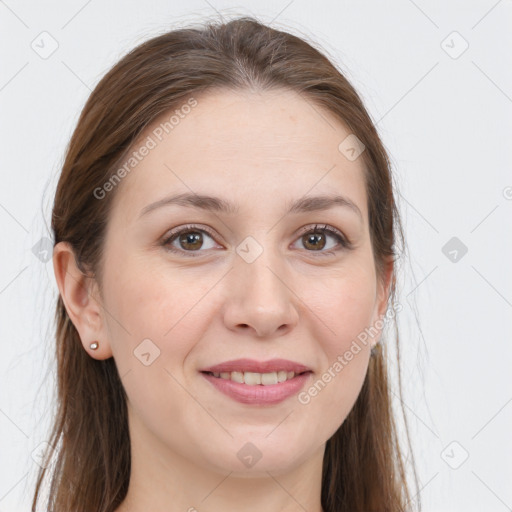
x=189, y=227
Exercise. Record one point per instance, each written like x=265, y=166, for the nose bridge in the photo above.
x=259, y=266
x=258, y=294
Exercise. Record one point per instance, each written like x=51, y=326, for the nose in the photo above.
x=260, y=297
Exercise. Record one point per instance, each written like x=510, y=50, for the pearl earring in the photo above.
x=94, y=345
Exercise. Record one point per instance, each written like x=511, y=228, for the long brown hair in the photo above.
x=364, y=468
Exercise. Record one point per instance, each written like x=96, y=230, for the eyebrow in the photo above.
x=216, y=204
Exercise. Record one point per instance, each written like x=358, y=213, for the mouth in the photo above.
x=254, y=382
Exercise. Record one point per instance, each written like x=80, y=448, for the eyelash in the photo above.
x=325, y=228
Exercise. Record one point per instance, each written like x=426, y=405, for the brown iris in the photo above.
x=191, y=240
x=312, y=238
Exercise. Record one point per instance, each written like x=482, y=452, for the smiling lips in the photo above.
x=258, y=383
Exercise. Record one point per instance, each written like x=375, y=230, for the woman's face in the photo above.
x=246, y=285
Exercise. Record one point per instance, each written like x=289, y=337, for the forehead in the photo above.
x=243, y=146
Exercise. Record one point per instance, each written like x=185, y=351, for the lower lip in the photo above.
x=259, y=394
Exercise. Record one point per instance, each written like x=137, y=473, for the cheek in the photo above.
x=145, y=303
x=345, y=305
x=344, y=310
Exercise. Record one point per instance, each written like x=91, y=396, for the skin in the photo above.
x=261, y=150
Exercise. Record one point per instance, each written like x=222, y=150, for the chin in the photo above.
x=257, y=458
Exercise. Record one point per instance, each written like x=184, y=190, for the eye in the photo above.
x=190, y=239
x=316, y=238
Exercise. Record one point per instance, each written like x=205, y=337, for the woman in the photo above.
x=224, y=232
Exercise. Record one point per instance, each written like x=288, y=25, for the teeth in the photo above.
x=282, y=376
x=236, y=376
x=269, y=378
x=253, y=378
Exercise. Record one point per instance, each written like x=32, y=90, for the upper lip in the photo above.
x=251, y=365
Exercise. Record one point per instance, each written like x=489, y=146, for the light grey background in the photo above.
x=445, y=116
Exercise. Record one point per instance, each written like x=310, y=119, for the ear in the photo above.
x=81, y=300
x=383, y=292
